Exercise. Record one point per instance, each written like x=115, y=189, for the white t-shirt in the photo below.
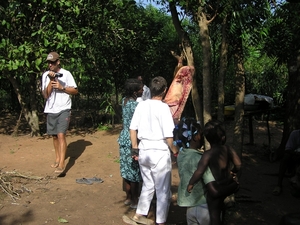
x=58, y=100
x=154, y=123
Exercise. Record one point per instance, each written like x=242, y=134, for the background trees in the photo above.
x=29, y=30
x=237, y=47
x=282, y=43
x=102, y=43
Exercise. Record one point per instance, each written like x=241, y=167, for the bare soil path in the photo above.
x=52, y=199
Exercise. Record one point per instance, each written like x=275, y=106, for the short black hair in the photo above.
x=157, y=86
x=132, y=85
x=214, y=132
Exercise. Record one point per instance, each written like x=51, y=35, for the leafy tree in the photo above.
x=235, y=19
x=29, y=30
x=101, y=42
x=283, y=44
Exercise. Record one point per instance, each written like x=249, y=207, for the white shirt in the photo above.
x=146, y=94
x=58, y=100
x=154, y=123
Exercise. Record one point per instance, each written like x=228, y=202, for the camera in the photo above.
x=58, y=75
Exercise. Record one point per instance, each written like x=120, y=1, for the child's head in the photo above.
x=188, y=134
x=133, y=88
x=214, y=132
x=158, y=87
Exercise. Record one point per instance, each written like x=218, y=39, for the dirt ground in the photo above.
x=45, y=198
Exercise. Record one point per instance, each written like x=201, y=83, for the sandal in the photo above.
x=127, y=220
x=95, y=180
x=54, y=165
x=277, y=191
x=127, y=202
x=59, y=170
x=83, y=181
x=142, y=220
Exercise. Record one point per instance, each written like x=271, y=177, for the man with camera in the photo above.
x=58, y=85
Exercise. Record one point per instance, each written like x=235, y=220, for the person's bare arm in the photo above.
x=235, y=160
x=134, y=144
x=133, y=138
x=202, y=165
x=70, y=90
x=173, y=148
x=48, y=90
x=54, y=84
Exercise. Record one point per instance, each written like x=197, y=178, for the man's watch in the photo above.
x=64, y=89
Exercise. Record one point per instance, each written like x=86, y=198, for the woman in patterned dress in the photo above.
x=130, y=171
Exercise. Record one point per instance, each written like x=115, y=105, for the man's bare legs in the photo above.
x=60, y=146
x=55, y=144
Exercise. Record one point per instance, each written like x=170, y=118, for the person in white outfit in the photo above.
x=58, y=85
x=146, y=91
x=153, y=125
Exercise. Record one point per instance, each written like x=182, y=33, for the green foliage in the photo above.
x=30, y=30
x=247, y=20
x=264, y=77
x=105, y=42
x=283, y=39
x=102, y=43
x=103, y=127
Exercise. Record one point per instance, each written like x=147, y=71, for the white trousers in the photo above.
x=156, y=168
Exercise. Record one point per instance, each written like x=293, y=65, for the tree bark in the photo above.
x=239, y=94
x=15, y=132
x=31, y=116
x=206, y=51
x=222, y=71
x=179, y=62
x=292, y=120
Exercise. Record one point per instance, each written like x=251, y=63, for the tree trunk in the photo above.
x=292, y=120
x=206, y=51
x=222, y=71
x=15, y=132
x=187, y=49
x=31, y=116
x=239, y=94
x=179, y=62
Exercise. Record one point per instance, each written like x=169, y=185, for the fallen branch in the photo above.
x=17, y=174
x=7, y=186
